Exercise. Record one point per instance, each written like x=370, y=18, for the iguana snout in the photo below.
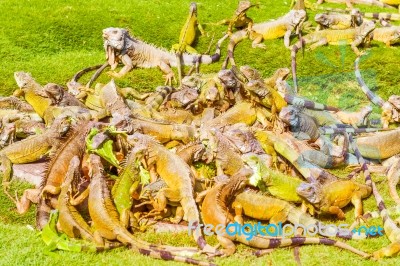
x=289, y=115
x=309, y=192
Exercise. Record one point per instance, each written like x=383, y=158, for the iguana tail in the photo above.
x=264, y=243
x=385, y=16
x=162, y=92
x=390, y=227
x=79, y=74
x=308, y=104
x=193, y=59
x=329, y=130
x=234, y=40
x=371, y=96
x=296, y=47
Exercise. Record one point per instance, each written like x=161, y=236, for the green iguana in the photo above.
x=387, y=35
x=216, y=212
x=240, y=20
x=339, y=21
x=32, y=91
x=353, y=37
x=187, y=37
x=332, y=197
x=132, y=52
x=32, y=149
x=281, y=27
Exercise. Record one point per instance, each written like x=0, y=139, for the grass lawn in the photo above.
x=54, y=39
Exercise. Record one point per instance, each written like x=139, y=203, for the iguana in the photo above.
x=332, y=197
x=355, y=119
x=32, y=149
x=72, y=146
x=12, y=102
x=380, y=145
x=391, y=229
x=393, y=176
x=32, y=91
x=70, y=221
x=187, y=37
x=353, y=37
x=178, y=176
x=60, y=97
x=216, y=212
x=387, y=35
x=339, y=21
x=281, y=27
x=390, y=108
x=240, y=19
x=349, y=3
x=105, y=218
x=132, y=52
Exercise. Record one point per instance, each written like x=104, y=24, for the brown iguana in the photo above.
x=32, y=149
x=74, y=145
x=105, y=218
x=353, y=37
x=179, y=179
x=380, y=145
x=339, y=21
x=281, y=27
x=132, y=52
x=12, y=102
x=216, y=212
x=387, y=35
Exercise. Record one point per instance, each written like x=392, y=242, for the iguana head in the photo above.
x=323, y=19
x=356, y=17
x=250, y=73
x=243, y=7
x=114, y=42
x=310, y=192
x=365, y=29
x=290, y=115
x=61, y=125
x=54, y=91
x=22, y=78
x=193, y=8
x=228, y=78
x=296, y=18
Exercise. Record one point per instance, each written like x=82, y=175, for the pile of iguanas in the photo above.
x=217, y=150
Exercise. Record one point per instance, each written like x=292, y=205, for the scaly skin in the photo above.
x=32, y=91
x=349, y=3
x=121, y=47
x=74, y=145
x=240, y=19
x=355, y=119
x=353, y=37
x=187, y=37
x=331, y=198
x=391, y=229
x=60, y=97
x=178, y=176
x=281, y=27
x=242, y=112
x=13, y=102
x=393, y=176
x=215, y=211
x=32, y=149
x=387, y=35
x=105, y=218
x=339, y=21
x=126, y=184
x=380, y=145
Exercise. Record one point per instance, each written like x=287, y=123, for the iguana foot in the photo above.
x=168, y=78
x=113, y=74
x=259, y=45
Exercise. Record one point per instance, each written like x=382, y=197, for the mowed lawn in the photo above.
x=54, y=39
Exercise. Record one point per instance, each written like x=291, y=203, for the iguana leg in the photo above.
x=393, y=179
x=79, y=199
x=257, y=38
x=238, y=212
x=128, y=66
x=49, y=189
x=388, y=251
x=30, y=195
x=286, y=38
x=168, y=73
x=228, y=245
x=178, y=215
x=358, y=208
x=337, y=211
x=279, y=217
x=7, y=171
x=321, y=42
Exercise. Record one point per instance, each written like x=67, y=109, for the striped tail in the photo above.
x=307, y=103
x=234, y=40
x=161, y=94
x=196, y=60
x=385, y=16
x=371, y=96
x=165, y=255
x=296, y=47
x=329, y=130
x=272, y=243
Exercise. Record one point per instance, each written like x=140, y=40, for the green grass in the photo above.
x=54, y=39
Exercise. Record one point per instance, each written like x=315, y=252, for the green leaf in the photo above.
x=105, y=150
x=144, y=175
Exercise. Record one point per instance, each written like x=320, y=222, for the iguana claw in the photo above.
x=168, y=78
